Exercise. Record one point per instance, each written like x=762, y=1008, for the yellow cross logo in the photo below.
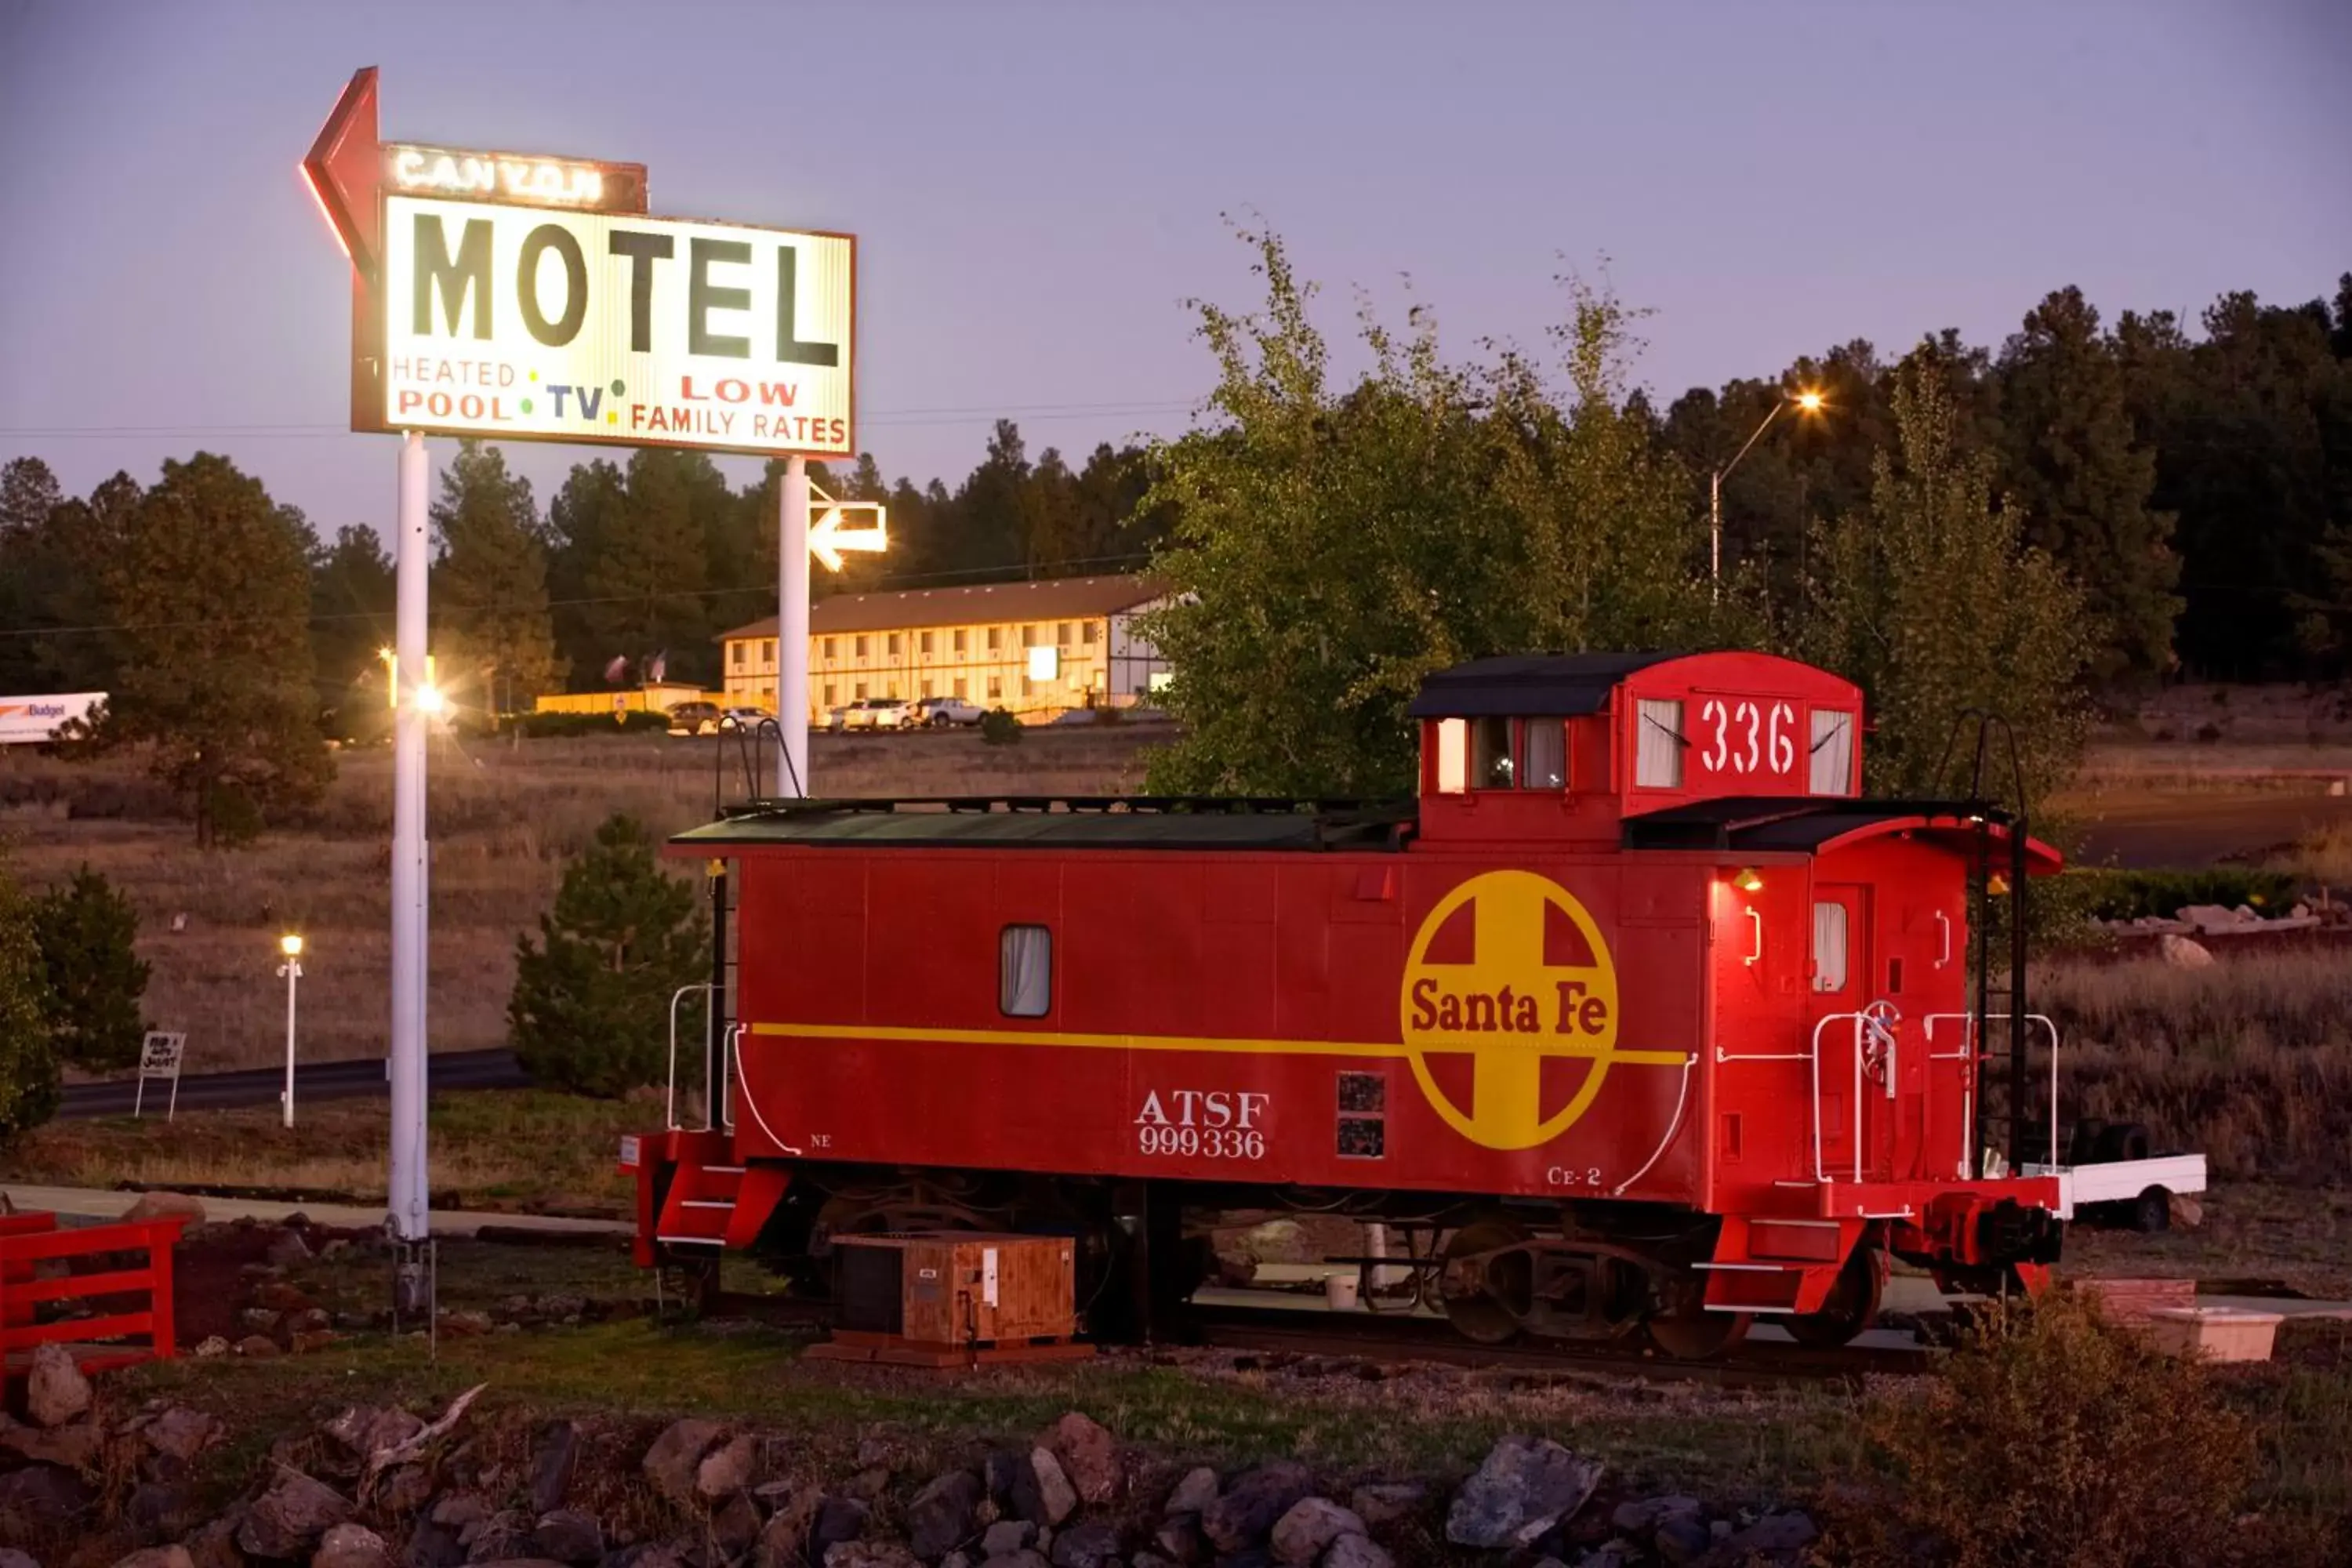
x=1514, y=1001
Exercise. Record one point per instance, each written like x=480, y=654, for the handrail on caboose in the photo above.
x=1874, y=1024
x=669, y=1105
x=1971, y=1054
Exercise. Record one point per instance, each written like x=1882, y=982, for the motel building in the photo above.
x=1032, y=648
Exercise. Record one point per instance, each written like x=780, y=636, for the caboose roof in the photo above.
x=1529, y=686
x=1104, y=823
x=1809, y=824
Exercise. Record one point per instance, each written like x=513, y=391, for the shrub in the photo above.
x=86, y=931
x=2117, y=895
x=998, y=727
x=29, y=1064
x=2050, y=1437
x=591, y=1005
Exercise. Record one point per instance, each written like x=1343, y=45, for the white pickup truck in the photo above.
x=2132, y=1195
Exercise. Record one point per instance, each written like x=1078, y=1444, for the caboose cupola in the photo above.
x=1563, y=746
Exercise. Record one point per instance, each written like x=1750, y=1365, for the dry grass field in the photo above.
x=505, y=820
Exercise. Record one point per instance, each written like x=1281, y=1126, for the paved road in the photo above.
x=312, y=1081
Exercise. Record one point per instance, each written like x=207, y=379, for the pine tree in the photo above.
x=489, y=589
x=352, y=596
x=212, y=589
x=591, y=1005
x=29, y=1062
x=1932, y=602
x=646, y=579
x=581, y=520
x=2083, y=481
x=87, y=932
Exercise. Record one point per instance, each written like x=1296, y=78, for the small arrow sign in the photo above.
x=827, y=539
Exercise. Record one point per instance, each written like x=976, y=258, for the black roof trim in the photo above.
x=1092, y=822
x=1547, y=685
x=1781, y=822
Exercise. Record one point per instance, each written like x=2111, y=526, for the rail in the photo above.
x=669, y=1105
x=1873, y=1026
x=1970, y=1053
x=29, y=1241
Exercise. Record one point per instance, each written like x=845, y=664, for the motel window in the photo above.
x=858, y=647
x=1062, y=635
x=1028, y=687
x=958, y=642
x=995, y=687
x=926, y=689
x=768, y=652
x=858, y=692
x=832, y=694
x=1024, y=972
x=959, y=690
x=828, y=647
x=1658, y=745
x=892, y=647
x=1029, y=637
x=1453, y=756
x=1086, y=630
x=995, y=635
x=735, y=652
x=1828, y=947
x=1833, y=769
x=1543, y=762
x=927, y=642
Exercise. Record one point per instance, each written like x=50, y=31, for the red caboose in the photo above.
x=1638, y=1003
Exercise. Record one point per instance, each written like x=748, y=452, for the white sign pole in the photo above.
x=407, y=1185
x=292, y=970
x=792, y=626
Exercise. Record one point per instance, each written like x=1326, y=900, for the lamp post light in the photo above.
x=291, y=970
x=1807, y=403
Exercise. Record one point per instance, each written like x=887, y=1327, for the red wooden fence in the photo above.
x=111, y=1338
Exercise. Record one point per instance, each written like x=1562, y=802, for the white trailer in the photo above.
x=31, y=721
x=2133, y=1194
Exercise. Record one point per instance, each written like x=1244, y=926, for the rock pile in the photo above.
x=386, y=1488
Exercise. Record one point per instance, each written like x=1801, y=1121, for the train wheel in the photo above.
x=1686, y=1331
x=1475, y=1310
x=1852, y=1304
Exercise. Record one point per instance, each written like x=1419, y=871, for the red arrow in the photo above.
x=342, y=169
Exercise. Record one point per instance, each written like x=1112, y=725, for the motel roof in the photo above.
x=979, y=604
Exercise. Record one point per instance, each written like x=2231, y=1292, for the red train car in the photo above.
x=1657, y=1022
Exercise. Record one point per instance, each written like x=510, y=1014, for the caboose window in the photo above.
x=1490, y=753
x=1833, y=769
x=1453, y=756
x=1543, y=764
x=1828, y=947
x=1658, y=745
x=1024, y=972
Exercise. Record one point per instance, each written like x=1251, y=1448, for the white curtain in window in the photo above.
x=1024, y=972
x=1658, y=745
x=1546, y=766
x=1832, y=770
x=1828, y=947
x=1453, y=756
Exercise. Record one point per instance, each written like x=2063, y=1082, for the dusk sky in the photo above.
x=1037, y=188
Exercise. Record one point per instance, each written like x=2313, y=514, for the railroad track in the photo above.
x=1396, y=1340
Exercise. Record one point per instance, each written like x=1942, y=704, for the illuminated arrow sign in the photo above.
x=827, y=539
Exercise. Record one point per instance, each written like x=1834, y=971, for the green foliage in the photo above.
x=2077, y=466
x=2111, y=894
x=591, y=1005
x=87, y=932
x=211, y=587
x=2051, y=1437
x=1930, y=599
x=490, y=586
x=1333, y=545
x=998, y=727
x=351, y=601
x=29, y=1062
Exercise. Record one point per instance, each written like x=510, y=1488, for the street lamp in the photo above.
x=1807, y=403
x=290, y=946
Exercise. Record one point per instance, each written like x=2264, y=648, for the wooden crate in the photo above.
x=958, y=1287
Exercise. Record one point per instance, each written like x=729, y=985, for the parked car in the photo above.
x=938, y=712
x=870, y=714
x=746, y=718
x=696, y=719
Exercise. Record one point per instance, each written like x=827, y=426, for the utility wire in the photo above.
x=311, y=430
